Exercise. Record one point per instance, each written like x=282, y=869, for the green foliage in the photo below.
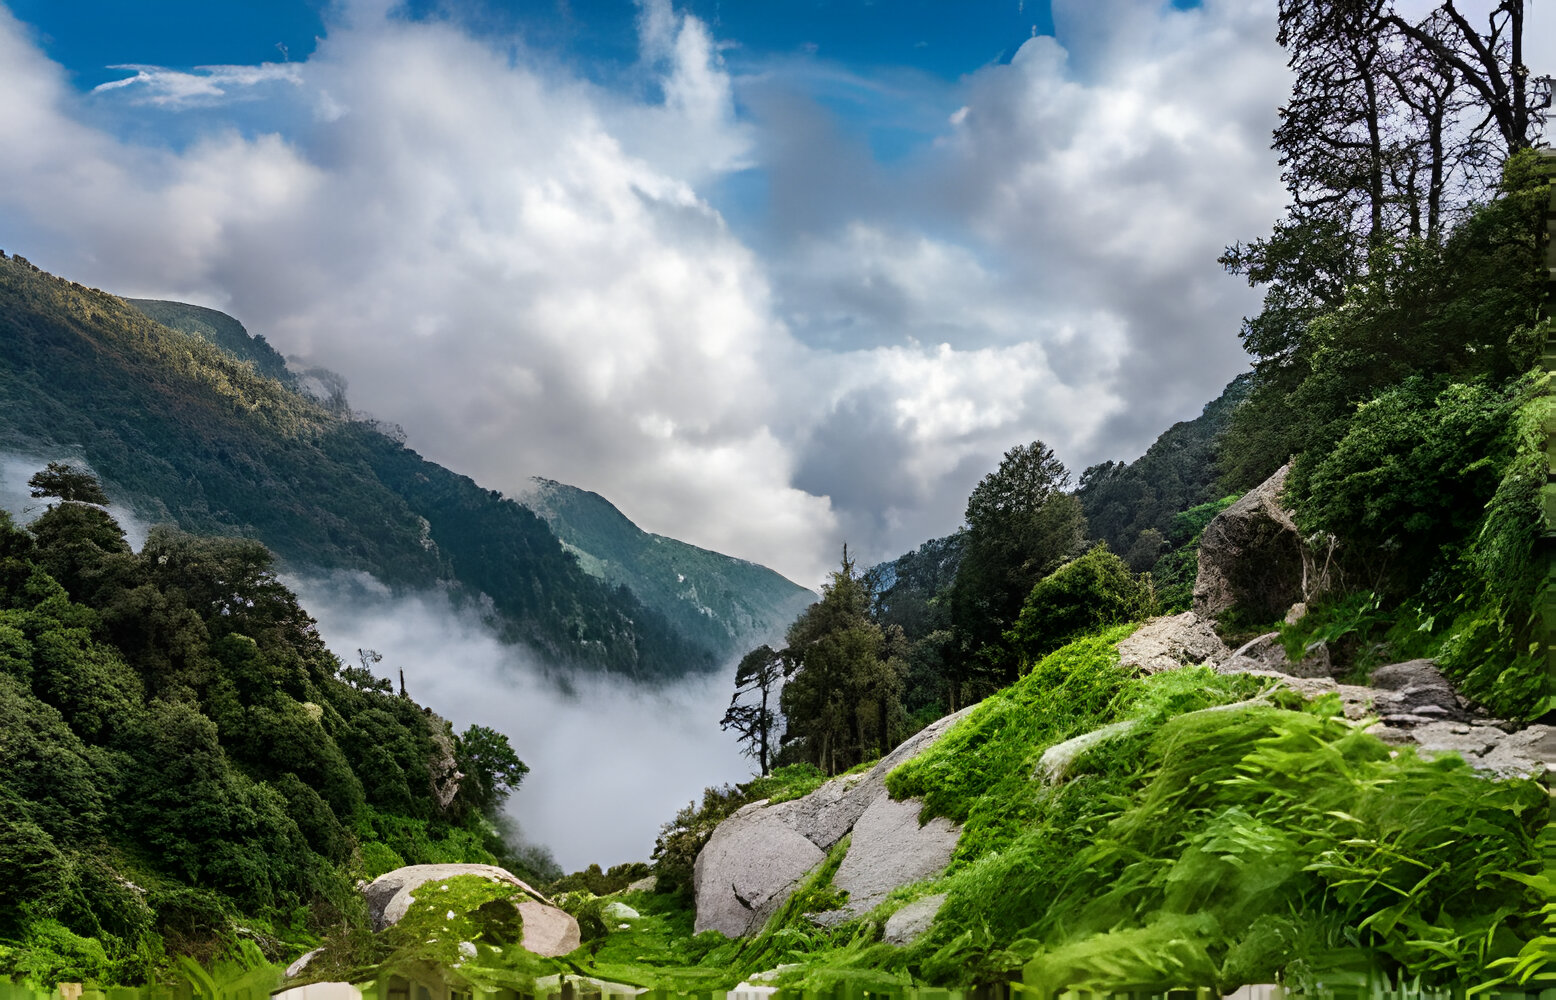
x=201, y=426
x=1083, y=595
x=179, y=757
x=67, y=483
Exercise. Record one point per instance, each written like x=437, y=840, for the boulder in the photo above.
x=389, y=895
x=757, y=856
x=1415, y=692
x=1251, y=556
x=1170, y=642
x=747, y=869
x=1266, y=654
x=1527, y=753
x=548, y=931
x=907, y=924
x=890, y=849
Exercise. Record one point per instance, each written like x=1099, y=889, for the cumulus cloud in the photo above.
x=527, y=271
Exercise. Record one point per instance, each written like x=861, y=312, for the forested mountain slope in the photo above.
x=184, y=432
x=721, y=602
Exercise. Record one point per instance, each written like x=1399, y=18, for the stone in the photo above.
x=1170, y=642
x=1057, y=761
x=1266, y=654
x=890, y=849
x=1413, y=690
x=756, y=857
x=747, y=869
x=548, y=931
x=616, y=911
x=1251, y=556
x=646, y=884
x=1296, y=613
x=389, y=895
x=909, y=923
x=297, y=967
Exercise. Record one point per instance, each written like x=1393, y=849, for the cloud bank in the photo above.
x=537, y=275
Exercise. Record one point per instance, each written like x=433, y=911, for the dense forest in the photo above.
x=201, y=426
x=183, y=762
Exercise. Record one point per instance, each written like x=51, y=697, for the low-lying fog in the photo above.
x=610, y=761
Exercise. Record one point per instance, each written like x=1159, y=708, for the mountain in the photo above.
x=723, y=603
x=187, y=419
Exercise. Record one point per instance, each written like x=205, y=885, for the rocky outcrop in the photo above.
x=756, y=857
x=1414, y=693
x=548, y=931
x=1266, y=654
x=1170, y=642
x=889, y=848
x=1251, y=556
x=747, y=869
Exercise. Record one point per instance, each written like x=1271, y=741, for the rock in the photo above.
x=1296, y=613
x=616, y=911
x=548, y=931
x=648, y=884
x=756, y=857
x=1355, y=700
x=1415, y=690
x=907, y=924
x=1266, y=654
x=1528, y=753
x=389, y=895
x=1168, y=643
x=747, y=869
x=890, y=849
x=1251, y=556
x=1055, y=764
x=297, y=967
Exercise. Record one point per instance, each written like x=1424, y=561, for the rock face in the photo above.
x=889, y=849
x=1171, y=642
x=756, y=857
x=1251, y=556
x=548, y=931
x=1265, y=653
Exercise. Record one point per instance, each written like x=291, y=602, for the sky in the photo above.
x=770, y=275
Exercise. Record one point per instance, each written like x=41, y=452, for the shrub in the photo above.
x=1081, y=596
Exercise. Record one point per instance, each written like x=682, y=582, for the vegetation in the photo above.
x=197, y=426
x=183, y=761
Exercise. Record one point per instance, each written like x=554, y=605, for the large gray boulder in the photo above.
x=889, y=848
x=757, y=857
x=1170, y=642
x=1251, y=556
x=747, y=869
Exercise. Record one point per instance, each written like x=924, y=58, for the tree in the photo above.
x=492, y=770
x=1021, y=525
x=67, y=483
x=758, y=673
x=840, y=673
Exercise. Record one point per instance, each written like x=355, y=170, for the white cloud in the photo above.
x=204, y=86
x=525, y=271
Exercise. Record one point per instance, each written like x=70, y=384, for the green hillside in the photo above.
x=184, y=432
x=723, y=603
